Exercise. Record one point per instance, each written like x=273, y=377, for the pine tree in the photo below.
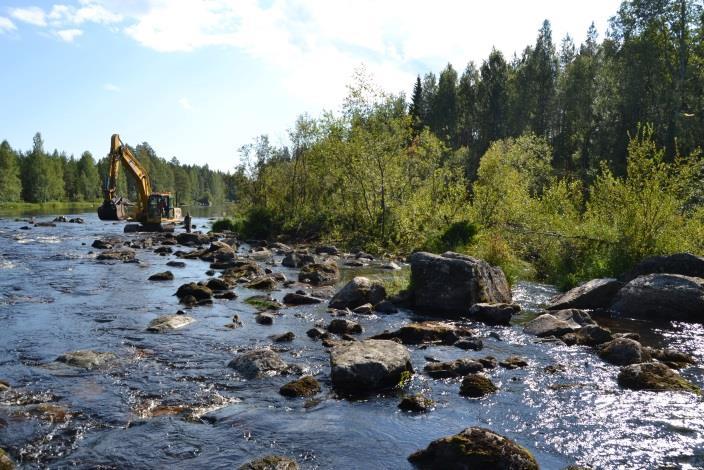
x=415, y=109
x=10, y=183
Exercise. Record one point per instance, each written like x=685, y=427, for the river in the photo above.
x=55, y=297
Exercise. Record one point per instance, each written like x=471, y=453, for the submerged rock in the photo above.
x=513, y=362
x=476, y=386
x=358, y=291
x=597, y=293
x=306, y=386
x=359, y=367
x=116, y=255
x=87, y=359
x=456, y=368
x=427, y=332
x=264, y=318
x=169, y=322
x=165, y=276
x=623, y=351
x=176, y=264
x=654, y=376
x=271, y=462
x=493, y=314
x=418, y=403
x=474, y=448
x=451, y=283
x=662, y=296
x=6, y=462
x=257, y=363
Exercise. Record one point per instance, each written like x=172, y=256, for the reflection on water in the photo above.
x=169, y=400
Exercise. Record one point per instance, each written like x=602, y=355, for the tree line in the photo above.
x=562, y=163
x=38, y=176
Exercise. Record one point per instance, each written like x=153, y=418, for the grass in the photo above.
x=395, y=281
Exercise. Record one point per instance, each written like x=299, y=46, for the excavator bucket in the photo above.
x=115, y=209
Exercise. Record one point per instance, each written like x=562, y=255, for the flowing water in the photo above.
x=170, y=401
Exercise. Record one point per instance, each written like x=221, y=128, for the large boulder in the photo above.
x=451, y=283
x=358, y=291
x=493, y=314
x=320, y=274
x=549, y=325
x=359, y=367
x=623, y=351
x=597, y=293
x=258, y=363
x=663, y=297
x=654, y=376
x=218, y=252
x=198, y=291
x=474, y=448
x=685, y=264
x=592, y=335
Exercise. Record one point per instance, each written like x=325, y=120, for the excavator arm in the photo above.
x=120, y=153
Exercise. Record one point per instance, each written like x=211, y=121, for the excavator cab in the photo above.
x=159, y=207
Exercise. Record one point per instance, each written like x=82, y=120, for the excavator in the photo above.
x=152, y=209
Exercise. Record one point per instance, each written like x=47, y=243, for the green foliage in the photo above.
x=10, y=183
x=228, y=225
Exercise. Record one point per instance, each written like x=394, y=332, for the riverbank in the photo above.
x=41, y=208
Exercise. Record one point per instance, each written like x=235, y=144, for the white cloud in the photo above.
x=68, y=35
x=6, y=25
x=31, y=15
x=89, y=11
x=185, y=104
x=111, y=87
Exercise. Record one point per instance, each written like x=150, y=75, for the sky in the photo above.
x=198, y=79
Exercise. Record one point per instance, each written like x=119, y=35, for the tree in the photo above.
x=88, y=179
x=10, y=183
x=467, y=106
x=444, y=107
x=416, y=106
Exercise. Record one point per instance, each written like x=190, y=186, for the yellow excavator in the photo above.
x=152, y=209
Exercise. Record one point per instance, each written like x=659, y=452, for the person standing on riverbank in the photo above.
x=187, y=222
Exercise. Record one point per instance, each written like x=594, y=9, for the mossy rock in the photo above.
x=6, y=462
x=475, y=448
x=418, y=403
x=271, y=462
x=654, y=376
x=262, y=302
x=477, y=386
x=306, y=386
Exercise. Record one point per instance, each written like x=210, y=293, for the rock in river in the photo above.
x=662, y=296
x=306, y=386
x=294, y=298
x=417, y=403
x=549, y=325
x=341, y=326
x=685, y=264
x=169, y=322
x=654, y=376
x=451, y=283
x=87, y=359
x=6, y=462
x=358, y=291
x=359, y=367
x=198, y=291
x=493, y=314
x=165, y=276
x=427, y=332
x=320, y=274
x=474, y=448
x=271, y=462
x=257, y=363
x=193, y=238
x=476, y=386
x=597, y=293
x=456, y=368
x=116, y=255
x=623, y=351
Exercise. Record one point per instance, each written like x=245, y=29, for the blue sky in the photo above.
x=199, y=79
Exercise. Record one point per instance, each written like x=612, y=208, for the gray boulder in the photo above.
x=449, y=284
x=359, y=367
x=87, y=359
x=597, y=293
x=169, y=322
x=258, y=363
x=493, y=314
x=663, y=297
x=358, y=291
x=320, y=274
x=592, y=335
x=623, y=351
x=549, y=325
